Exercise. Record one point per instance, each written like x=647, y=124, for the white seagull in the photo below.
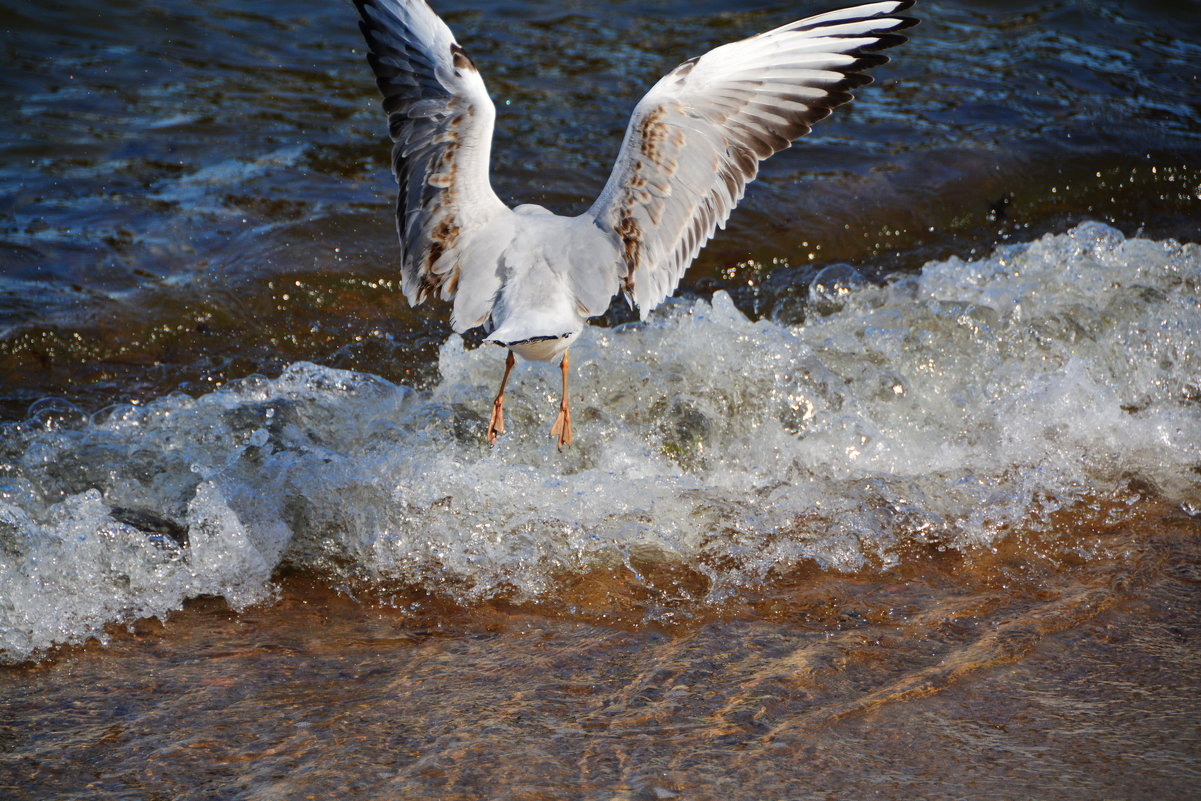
x=532, y=278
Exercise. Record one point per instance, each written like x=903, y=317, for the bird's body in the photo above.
x=537, y=310
x=532, y=278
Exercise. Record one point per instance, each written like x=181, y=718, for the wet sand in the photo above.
x=1062, y=666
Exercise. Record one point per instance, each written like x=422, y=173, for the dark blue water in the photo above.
x=168, y=173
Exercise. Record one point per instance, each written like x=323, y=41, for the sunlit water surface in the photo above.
x=899, y=498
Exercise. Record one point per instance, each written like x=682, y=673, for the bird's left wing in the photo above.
x=441, y=120
x=697, y=137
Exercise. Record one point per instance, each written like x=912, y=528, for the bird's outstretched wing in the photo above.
x=697, y=137
x=441, y=120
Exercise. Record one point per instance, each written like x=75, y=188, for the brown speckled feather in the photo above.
x=441, y=120
x=696, y=139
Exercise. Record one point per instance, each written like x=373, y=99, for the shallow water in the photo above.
x=1036, y=672
x=913, y=460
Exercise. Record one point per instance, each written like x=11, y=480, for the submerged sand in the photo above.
x=1057, y=667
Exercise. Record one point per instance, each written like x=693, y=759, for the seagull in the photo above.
x=531, y=278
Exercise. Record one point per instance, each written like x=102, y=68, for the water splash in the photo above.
x=948, y=407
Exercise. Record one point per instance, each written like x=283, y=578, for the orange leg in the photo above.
x=562, y=426
x=496, y=423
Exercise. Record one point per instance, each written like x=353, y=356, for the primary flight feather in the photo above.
x=532, y=278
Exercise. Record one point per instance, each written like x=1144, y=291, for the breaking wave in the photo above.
x=949, y=407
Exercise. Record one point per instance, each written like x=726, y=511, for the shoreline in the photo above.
x=833, y=679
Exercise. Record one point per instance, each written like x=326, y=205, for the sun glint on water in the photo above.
x=953, y=406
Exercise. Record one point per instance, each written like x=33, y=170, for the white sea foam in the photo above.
x=949, y=406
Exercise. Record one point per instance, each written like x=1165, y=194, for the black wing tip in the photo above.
x=361, y=7
x=854, y=80
x=901, y=7
x=368, y=28
x=367, y=31
x=867, y=61
x=883, y=41
x=903, y=22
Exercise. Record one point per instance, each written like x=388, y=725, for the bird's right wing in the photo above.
x=697, y=137
x=441, y=120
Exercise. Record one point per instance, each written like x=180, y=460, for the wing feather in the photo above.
x=697, y=137
x=440, y=119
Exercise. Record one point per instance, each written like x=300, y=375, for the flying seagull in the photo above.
x=532, y=278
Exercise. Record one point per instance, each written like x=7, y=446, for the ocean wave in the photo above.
x=950, y=407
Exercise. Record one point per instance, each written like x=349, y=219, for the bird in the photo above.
x=531, y=278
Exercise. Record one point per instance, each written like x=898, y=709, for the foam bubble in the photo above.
x=951, y=406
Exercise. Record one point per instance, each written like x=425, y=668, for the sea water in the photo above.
x=896, y=499
x=952, y=406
